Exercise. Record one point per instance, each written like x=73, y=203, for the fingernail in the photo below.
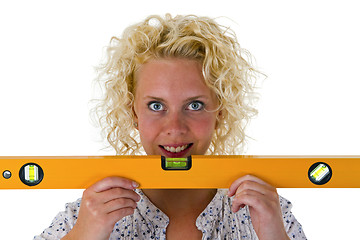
x=135, y=184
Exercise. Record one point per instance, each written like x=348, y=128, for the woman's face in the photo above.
x=175, y=110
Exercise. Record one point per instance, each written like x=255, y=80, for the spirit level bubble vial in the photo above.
x=31, y=174
x=320, y=173
x=176, y=163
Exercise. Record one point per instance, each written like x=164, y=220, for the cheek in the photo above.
x=148, y=129
x=204, y=128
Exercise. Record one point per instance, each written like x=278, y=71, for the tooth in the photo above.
x=177, y=149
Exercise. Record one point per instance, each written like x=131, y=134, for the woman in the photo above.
x=176, y=87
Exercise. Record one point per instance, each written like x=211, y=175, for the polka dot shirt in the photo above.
x=217, y=221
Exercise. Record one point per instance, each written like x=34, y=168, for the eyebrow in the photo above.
x=186, y=100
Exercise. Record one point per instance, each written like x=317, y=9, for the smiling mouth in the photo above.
x=176, y=149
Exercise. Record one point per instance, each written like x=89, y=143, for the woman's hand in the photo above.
x=264, y=206
x=102, y=205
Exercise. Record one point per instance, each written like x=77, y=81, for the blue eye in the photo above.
x=196, y=106
x=155, y=106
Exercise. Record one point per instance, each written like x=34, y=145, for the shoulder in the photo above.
x=293, y=228
x=73, y=206
x=285, y=205
x=70, y=214
x=62, y=223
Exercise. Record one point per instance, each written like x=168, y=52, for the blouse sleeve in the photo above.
x=62, y=223
x=292, y=226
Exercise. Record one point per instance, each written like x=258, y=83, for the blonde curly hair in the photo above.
x=225, y=69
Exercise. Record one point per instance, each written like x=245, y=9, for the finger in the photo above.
x=247, y=197
x=262, y=203
x=115, y=216
x=261, y=188
x=238, y=181
x=113, y=182
x=116, y=193
x=118, y=204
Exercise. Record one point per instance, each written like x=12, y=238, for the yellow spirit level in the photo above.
x=192, y=172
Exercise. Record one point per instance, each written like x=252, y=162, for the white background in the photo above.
x=309, y=102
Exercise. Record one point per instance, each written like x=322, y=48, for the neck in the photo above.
x=180, y=202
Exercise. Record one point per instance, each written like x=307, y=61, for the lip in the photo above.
x=178, y=154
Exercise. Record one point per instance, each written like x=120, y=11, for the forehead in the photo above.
x=173, y=76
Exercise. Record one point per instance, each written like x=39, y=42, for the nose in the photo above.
x=175, y=124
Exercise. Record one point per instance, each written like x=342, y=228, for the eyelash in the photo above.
x=152, y=103
x=197, y=102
